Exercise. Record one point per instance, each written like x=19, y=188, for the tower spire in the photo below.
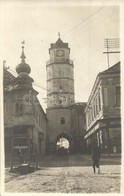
x=23, y=55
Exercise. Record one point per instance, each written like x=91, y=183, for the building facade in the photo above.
x=25, y=123
x=60, y=97
x=103, y=117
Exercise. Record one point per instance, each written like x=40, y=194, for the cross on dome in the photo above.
x=23, y=55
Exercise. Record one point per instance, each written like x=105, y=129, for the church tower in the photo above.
x=60, y=93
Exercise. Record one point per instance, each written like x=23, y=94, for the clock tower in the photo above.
x=60, y=77
x=60, y=93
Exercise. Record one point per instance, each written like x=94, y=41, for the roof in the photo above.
x=114, y=69
x=110, y=72
x=59, y=44
x=8, y=78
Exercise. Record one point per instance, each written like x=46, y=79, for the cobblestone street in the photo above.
x=71, y=174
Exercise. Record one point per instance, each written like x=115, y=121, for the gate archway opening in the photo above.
x=62, y=144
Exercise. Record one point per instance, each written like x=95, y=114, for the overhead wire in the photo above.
x=84, y=20
x=104, y=15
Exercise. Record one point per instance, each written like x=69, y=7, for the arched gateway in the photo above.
x=63, y=143
x=63, y=118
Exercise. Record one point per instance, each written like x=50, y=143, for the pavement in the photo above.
x=68, y=174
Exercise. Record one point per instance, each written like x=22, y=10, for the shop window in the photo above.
x=19, y=109
x=62, y=121
x=117, y=94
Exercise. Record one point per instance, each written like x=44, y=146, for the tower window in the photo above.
x=62, y=120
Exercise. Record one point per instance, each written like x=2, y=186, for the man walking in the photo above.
x=96, y=155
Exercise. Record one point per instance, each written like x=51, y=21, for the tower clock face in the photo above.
x=59, y=53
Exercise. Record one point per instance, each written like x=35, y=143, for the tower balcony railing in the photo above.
x=62, y=60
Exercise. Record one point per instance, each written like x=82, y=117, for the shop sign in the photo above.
x=20, y=147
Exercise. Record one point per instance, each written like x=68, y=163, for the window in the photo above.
x=39, y=120
x=62, y=121
x=117, y=95
x=36, y=116
x=99, y=100
x=94, y=109
x=91, y=112
x=96, y=106
x=19, y=109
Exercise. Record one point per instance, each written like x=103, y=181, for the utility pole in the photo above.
x=111, y=44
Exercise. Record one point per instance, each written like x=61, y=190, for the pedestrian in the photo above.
x=96, y=155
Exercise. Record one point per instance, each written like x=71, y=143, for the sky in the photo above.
x=83, y=26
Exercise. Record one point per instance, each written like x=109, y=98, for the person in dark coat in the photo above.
x=96, y=155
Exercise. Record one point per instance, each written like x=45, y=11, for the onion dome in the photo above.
x=23, y=67
x=23, y=80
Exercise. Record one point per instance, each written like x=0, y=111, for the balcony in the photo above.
x=60, y=60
